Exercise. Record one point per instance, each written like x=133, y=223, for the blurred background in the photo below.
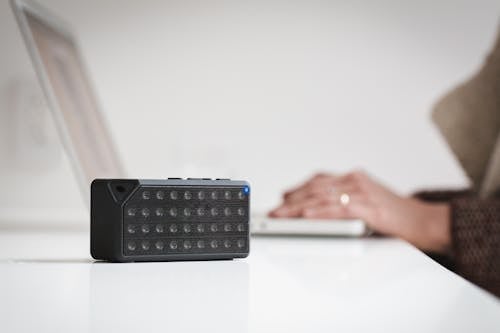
x=266, y=91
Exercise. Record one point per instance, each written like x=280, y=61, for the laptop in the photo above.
x=83, y=130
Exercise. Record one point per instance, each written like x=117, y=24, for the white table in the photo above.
x=48, y=283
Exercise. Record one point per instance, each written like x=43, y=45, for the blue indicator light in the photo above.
x=246, y=189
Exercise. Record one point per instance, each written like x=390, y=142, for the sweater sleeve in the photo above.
x=475, y=231
x=475, y=234
x=441, y=195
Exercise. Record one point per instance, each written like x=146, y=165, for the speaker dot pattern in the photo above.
x=169, y=220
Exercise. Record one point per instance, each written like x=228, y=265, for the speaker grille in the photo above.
x=164, y=220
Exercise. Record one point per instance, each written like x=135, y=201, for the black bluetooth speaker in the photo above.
x=169, y=219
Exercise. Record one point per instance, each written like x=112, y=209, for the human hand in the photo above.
x=357, y=196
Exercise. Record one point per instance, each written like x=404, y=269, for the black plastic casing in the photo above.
x=122, y=210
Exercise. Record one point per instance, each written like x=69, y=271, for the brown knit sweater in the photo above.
x=475, y=231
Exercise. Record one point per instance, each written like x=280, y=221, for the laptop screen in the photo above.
x=72, y=101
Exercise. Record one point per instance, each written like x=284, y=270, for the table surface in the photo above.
x=49, y=283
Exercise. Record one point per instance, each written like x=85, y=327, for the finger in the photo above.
x=285, y=211
x=321, y=189
x=297, y=208
x=323, y=183
x=307, y=187
x=289, y=210
x=351, y=179
x=354, y=210
x=329, y=200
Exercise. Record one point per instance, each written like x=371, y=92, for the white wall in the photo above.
x=268, y=91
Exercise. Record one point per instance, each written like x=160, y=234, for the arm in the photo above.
x=425, y=225
x=475, y=234
x=454, y=224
